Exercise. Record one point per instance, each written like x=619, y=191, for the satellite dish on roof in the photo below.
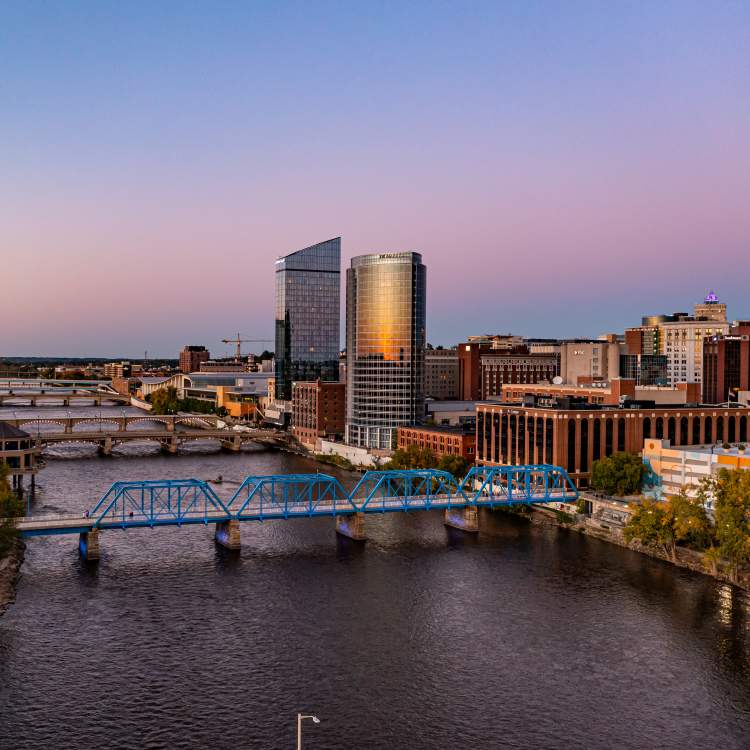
x=557, y=380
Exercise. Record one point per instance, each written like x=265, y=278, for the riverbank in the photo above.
x=685, y=558
x=10, y=569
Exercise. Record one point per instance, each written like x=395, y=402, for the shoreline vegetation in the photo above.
x=684, y=557
x=10, y=572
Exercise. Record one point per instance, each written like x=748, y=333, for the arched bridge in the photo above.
x=157, y=503
x=169, y=431
x=60, y=396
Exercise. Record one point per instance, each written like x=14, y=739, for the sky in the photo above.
x=563, y=167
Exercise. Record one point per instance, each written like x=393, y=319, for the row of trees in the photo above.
x=165, y=401
x=414, y=457
x=11, y=507
x=682, y=520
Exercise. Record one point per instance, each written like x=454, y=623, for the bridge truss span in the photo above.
x=174, y=502
x=289, y=495
x=159, y=503
x=511, y=485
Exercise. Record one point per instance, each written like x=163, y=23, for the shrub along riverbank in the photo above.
x=11, y=547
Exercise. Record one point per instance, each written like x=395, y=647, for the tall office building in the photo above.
x=308, y=293
x=385, y=346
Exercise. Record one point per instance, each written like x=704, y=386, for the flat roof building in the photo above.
x=573, y=433
x=440, y=440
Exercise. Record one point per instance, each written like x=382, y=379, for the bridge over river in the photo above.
x=170, y=431
x=159, y=503
x=65, y=397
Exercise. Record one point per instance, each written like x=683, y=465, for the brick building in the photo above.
x=574, y=433
x=439, y=440
x=191, y=358
x=726, y=365
x=318, y=411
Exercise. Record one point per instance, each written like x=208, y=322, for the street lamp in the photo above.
x=300, y=719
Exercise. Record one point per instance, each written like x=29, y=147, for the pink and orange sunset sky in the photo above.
x=563, y=167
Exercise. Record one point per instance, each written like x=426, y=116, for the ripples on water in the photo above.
x=421, y=638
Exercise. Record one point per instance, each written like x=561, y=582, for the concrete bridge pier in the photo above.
x=169, y=446
x=233, y=444
x=228, y=534
x=105, y=447
x=88, y=545
x=465, y=519
x=352, y=525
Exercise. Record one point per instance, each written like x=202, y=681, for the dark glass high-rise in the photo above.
x=308, y=290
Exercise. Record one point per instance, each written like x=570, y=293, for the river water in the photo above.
x=423, y=637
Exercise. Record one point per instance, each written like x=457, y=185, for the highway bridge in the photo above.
x=159, y=503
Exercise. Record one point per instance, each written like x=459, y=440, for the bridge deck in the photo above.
x=74, y=524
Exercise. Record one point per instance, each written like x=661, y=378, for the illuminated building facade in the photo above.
x=385, y=345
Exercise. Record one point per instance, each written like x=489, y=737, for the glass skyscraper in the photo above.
x=308, y=294
x=385, y=346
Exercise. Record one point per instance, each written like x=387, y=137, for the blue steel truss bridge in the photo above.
x=169, y=502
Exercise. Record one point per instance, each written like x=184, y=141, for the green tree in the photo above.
x=165, y=401
x=456, y=465
x=619, y=474
x=730, y=491
x=665, y=524
x=413, y=457
x=11, y=507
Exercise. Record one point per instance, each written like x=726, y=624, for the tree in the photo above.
x=730, y=492
x=165, y=401
x=413, y=457
x=11, y=507
x=666, y=523
x=619, y=474
x=456, y=465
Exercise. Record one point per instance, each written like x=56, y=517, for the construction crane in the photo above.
x=239, y=341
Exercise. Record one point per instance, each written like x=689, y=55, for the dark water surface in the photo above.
x=420, y=638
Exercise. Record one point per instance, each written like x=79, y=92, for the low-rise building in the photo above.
x=126, y=386
x=454, y=413
x=672, y=469
x=212, y=365
x=573, y=433
x=18, y=451
x=318, y=411
x=122, y=369
x=440, y=440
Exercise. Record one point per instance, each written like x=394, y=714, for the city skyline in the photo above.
x=563, y=168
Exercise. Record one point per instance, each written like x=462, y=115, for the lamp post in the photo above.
x=300, y=719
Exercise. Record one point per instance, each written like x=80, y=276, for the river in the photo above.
x=423, y=637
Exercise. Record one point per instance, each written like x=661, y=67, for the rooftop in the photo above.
x=9, y=432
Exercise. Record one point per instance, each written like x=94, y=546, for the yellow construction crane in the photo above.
x=239, y=341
